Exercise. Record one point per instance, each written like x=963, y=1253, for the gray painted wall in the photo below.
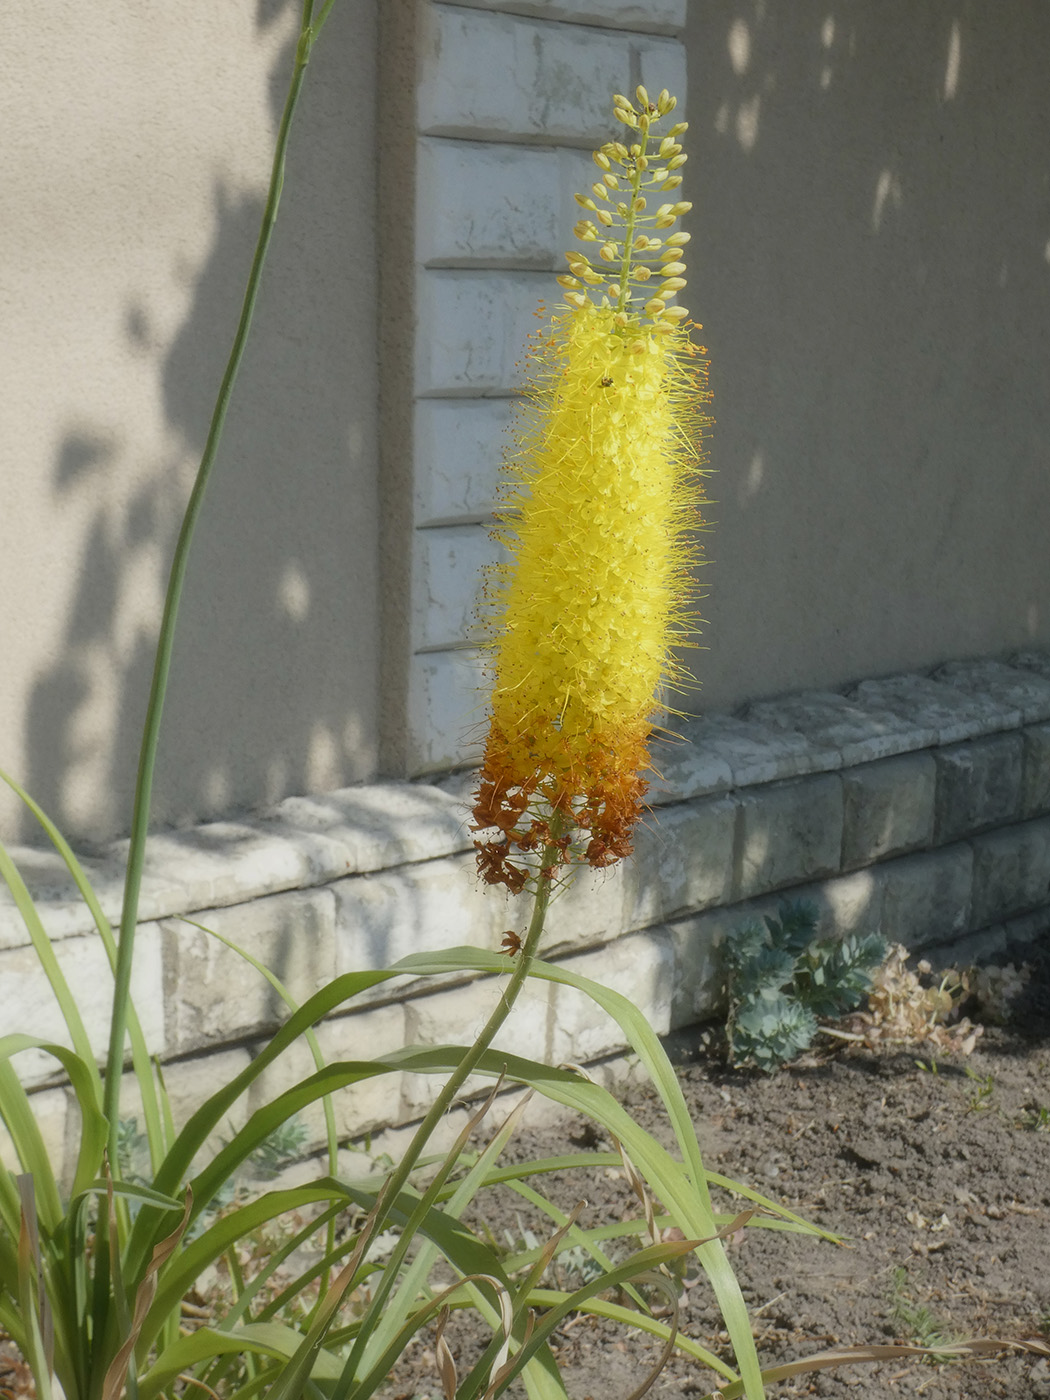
x=872, y=264
x=136, y=151
x=872, y=235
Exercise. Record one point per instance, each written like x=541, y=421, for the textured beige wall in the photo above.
x=872, y=235
x=135, y=155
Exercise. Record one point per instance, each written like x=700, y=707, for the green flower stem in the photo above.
x=176, y=580
x=623, y=300
x=443, y=1102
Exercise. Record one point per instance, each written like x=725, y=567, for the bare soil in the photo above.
x=936, y=1173
x=937, y=1178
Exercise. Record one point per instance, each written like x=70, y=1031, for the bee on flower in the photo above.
x=598, y=517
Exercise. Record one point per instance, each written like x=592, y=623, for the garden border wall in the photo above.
x=916, y=805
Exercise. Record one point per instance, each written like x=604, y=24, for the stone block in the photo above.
x=369, y=827
x=860, y=732
x=447, y=692
x=1032, y=660
x=457, y=1015
x=497, y=75
x=30, y=1005
x=55, y=896
x=169, y=881
x=789, y=833
x=486, y=203
x=52, y=1110
x=658, y=16
x=969, y=951
x=1027, y=932
x=1035, y=783
x=190, y=1083
x=459, y=447
x=687, y=764
x=996, y=683
x=218, y=864
x=588, y=909
x=416, y=909
x=887, y=808
x=358, y=1107
x=448, y=567
x=473, y=328
x=931, y=705
x=300, y=842
x=978, y=786
x=641, y=966
x=699, y=978
x=926, y=898
x=682, y=862
x=1011, y=871
x=392, y=1142
x=754, y=753
x=213, y=995
x=846, y=904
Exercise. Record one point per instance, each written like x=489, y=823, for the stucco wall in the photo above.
x=136, y=152
x=872, y=235
x=871, y=228
x=871, y=262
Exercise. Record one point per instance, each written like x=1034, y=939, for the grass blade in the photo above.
x=49, y=964
x=139, y=1053
x=17, y=1113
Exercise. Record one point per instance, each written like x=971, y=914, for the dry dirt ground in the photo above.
x=937, y=1179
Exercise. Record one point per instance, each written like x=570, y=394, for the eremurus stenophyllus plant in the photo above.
x=93, y=1272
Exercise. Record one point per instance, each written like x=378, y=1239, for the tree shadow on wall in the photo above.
x=873, y=269
x=273, y=681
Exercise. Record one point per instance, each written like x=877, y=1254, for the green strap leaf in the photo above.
x=49, y=963
x=17, y=1113
x=269, y=1339
x=139, y=1052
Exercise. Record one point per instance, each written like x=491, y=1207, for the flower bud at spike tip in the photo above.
x=600, y=499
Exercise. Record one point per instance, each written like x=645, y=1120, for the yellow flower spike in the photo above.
x=598, y=509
